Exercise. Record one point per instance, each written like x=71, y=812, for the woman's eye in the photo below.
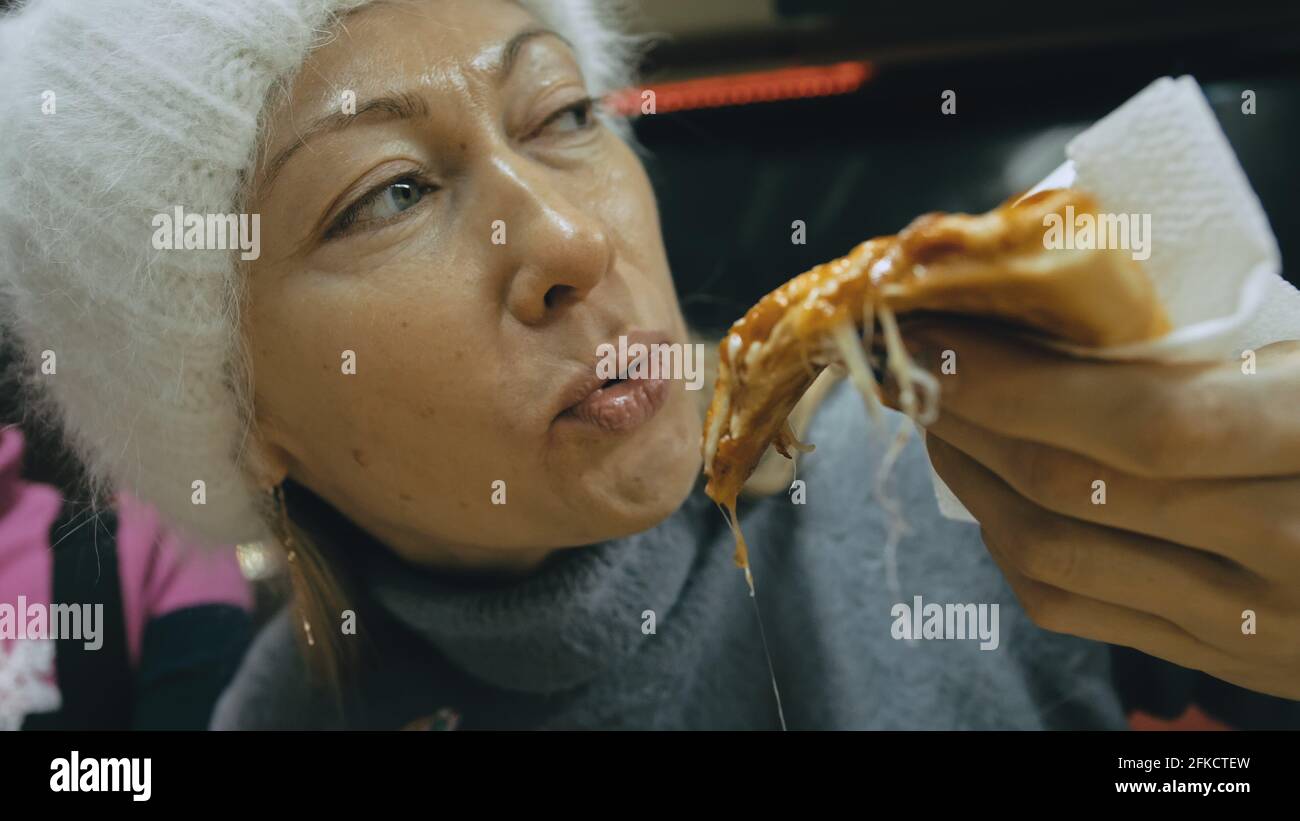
x=577, y=117
x=381, y=205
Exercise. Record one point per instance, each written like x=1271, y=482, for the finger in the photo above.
x=1061, y=611
x=1199, y=592
x=1254, y=522
x=1146, y=419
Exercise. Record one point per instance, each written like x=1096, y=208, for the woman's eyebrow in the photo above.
x=510, y=54
x=385, y=108
x=393, y=106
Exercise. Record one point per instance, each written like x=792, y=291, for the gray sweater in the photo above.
x=573, y=646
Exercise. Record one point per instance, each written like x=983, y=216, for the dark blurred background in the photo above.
x=1027, y=77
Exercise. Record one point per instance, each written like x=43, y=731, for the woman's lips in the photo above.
x=592, y=400
x=622, y=405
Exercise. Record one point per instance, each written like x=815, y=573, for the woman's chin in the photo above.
x=624, y=502
x=627, y=483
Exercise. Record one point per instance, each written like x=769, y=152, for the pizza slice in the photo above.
x=994, y=265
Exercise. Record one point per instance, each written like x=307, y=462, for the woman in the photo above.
x=398, y=384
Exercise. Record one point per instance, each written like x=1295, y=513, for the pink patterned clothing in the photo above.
x=164, y=591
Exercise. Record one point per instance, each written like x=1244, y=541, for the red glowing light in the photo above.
x=797, y=82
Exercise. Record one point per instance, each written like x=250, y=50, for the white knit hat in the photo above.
x=114, y=111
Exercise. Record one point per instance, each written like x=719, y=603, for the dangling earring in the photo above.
x=290, y=545
x=285, y=532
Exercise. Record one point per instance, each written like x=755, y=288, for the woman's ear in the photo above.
x=265, y=460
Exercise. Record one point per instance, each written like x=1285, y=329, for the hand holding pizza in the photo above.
x=1151, y=506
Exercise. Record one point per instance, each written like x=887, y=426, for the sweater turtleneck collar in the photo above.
x=579, y=614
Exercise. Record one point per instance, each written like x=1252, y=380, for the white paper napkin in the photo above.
x=1214, y=260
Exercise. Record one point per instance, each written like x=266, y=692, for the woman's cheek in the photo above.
x=628, y=205
x=634, y=214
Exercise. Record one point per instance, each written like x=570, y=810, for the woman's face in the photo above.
x=440, y=207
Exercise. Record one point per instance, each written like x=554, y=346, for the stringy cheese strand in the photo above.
x=850, y=348
x=898, y=362
x=733, y=521
x=928, y=411
x=868, y=323
x=903, y=368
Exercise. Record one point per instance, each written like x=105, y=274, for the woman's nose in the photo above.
x=554, y=250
